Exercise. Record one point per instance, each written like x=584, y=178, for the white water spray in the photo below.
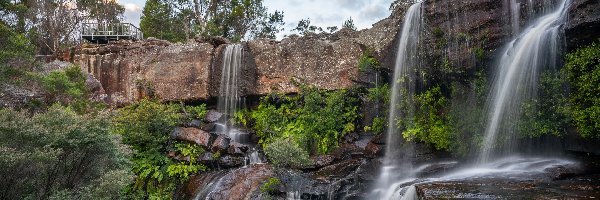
x=517, y=78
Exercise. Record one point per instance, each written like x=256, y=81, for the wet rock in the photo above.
x=229, y=161
x=347, y=151
x=374, y=150
x=378, y=139
x=322, y=160
x=237, y=149
x=198, y=182
x=212, y=116
x=195, y=123
x=350, y=138
x=208, y=127
x=562, y=172
x=220, y=144
x=438, y=168
x=340, y=169
x=193, y=135
x=238, y=184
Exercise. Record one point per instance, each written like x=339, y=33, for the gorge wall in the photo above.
x=462, y=35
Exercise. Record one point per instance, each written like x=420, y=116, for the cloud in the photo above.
x=374, y=11
x=351, y=4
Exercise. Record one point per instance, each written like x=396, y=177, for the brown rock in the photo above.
x=341, y=169
x=373, y=150
x=237, y=149
x=220, y=144
x=322, y=160
x=193, y=135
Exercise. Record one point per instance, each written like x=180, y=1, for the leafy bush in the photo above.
x=313, y=119
x=60, y=152
x=367, y=62
x=430, y=123
x=378, y=126
x=146, y=126
x=270, y=186
x=583, y=70
x=65, y=85
x=285, y=153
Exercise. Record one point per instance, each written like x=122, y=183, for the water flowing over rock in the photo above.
x=396, y=162
x=517, y=75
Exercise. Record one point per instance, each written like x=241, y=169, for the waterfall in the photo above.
x=397, y=153
x=516, y=78
x=229, y=96
x=515, y=12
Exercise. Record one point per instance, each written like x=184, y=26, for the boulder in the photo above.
x=208, y=127
x=196, y=124
x=339, y=170
x=193, y=135
x=229, y=161
x=237, y=149
x=374, y=150
x=213, y=116
x=237, y=184
x=221, y=144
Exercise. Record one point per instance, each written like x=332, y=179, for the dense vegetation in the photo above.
x=583, y=71
x=314, y=120
x=60, y=154
x=177, y=21
x=145, y=127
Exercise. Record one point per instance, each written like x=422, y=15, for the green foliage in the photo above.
x=367, y=62
x=349, y=24
x=431, y=123
x=158, y=21
x=286, y=153
x=304, y=27
x=479, y=53
x=378, y=126
x=547, y=114
x=270, y=186
x=146, y=126
x=60, y=152
x=467, y=116
x=177, y=20
x=16, y=54
x=583, y=71
x=380, y=93
x=64, y=85
x=438, y=32
x=314, y=119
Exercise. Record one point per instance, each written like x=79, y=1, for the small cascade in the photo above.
x=253, y=157
x=397, y=154
x=515, y=16
x=229, y=96
x=516, y=80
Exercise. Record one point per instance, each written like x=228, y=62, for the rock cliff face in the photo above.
x=459, y=36
x=130, y=71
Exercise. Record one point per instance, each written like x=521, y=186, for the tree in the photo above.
x=158, y=21
x=233, y=19
x=349, y=24
x=304, y=27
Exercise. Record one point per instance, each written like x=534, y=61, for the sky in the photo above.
x=322, y=13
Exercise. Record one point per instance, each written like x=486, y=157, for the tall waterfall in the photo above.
x=516, y=79
x=396, y=163
x=229, y=96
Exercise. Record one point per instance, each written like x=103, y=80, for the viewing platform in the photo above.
x=103, y=32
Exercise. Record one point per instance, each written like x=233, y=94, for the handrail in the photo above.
x=112, y=30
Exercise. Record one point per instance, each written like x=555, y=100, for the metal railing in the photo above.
x=110, y=31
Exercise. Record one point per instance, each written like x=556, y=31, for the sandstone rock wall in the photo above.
x=460, y=36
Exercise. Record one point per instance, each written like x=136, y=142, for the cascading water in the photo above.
x=229, y=96
x=396, y=163
x=517, y=78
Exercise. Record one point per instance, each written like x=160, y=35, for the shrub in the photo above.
x=285, y=153
x=367, y=62
x=59, y=152
x=583, y=71
x=146, y=126
x=314, y=119
x=430, y=123
x=270, y=186
x=65, y=85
